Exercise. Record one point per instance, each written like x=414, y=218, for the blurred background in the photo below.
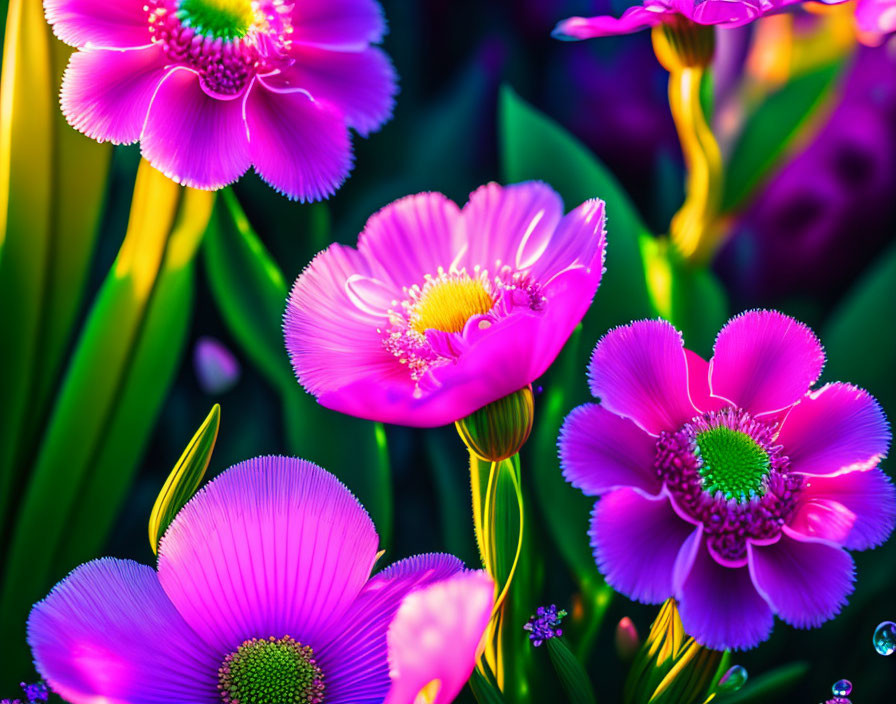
x=812, y=235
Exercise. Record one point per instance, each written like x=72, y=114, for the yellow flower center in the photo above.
x=448, y=302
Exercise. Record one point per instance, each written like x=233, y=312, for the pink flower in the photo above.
x=725, y=13
x=212, y=87
x=876, y=16
x=731, y=486
x=435, y=638
x=442, y=310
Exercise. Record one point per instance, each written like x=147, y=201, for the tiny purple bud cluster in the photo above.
x=34, y=694
x=544, y=624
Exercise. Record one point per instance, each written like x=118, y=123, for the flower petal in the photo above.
x=117, y=25
x=106, y=93
x=338, y=24
x=511, y=225
x=636, y=543
x=435, y=636
x=332, y=333
x=838, y=428
x=720, y=607
x=805, y=580
x=869, y=496
x=361, y=85
x=356, y=659
x=108, y=632
x=600, y=451
x=765, y=361
x=193, y=138
x=579, y=241
x=698, y=384
x=877, y=16
x=298, y=146
x=632, y=20
x=274, y=545
x=410, y=239
x=640, y=371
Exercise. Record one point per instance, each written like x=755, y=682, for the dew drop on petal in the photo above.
x=734, y=679
x=842, y=688
x=884, y=639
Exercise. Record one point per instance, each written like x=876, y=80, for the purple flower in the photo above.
x=262, y=585
x=442, y=310
x=216, y=368
x=545, y=624
x=211, y=87
x=729, y=485
x=725, y=13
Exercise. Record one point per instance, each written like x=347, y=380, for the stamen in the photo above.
x=222, y=19
x=272, y=671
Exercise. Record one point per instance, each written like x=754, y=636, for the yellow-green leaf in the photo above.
x=185, y=478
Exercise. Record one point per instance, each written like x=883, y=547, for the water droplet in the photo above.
x=842, y=688
x=734, y=679
x=885, y=638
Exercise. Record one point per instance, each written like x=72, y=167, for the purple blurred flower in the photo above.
x=216, y=368
x=442, y=310
x=212, y=87
x=831, y=208
x=725, y=13
x=729, y=485
x=262, y=584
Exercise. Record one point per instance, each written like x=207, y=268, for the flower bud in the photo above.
x=498, y=431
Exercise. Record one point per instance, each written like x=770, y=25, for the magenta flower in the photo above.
x=876, y=16
x=729, y=485
x=435, y=638
x=725, y=13
x=211, y=87
x=262, y=594
x=442, y=310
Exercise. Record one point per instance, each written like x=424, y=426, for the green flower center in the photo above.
x=732, y=462
x=272, y=671
x=224, y=19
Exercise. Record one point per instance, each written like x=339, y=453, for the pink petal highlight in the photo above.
x=338, y=24
x=273, y=545
x=765, y=361
x=640, y=371
x=411, y=237
x=563, y=250
x=698, y=384
x=356, y=660
x=837, y=429
x=106, y=93
x=600, y=451
x=193, y=138
x=435, y=637
x=805, y=580
x=823, y=519
x=876, y=16
x=869, y=497
x=512, y=225
x=720, y=607
x=358, y=84
x=636, y=541
x=298, y=146
x=108, y=633
x=118, y=25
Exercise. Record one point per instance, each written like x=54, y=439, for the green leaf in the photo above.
x=771, y=129
x=485, y=689
x=768, y=686
x=120, y=372
x=250, y=292
x=52, y=187
x=249, y=289
x=570, y=672
x=185, y=478
x=861, y=316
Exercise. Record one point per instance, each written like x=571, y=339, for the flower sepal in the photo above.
x=499, y=430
